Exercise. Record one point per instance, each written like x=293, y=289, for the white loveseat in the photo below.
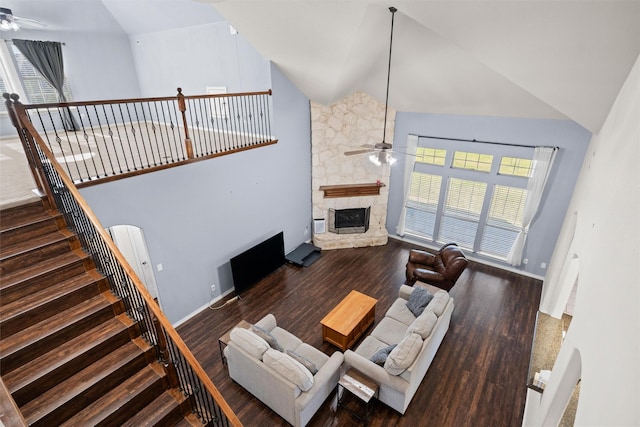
x=417, y=339
x=280, y=379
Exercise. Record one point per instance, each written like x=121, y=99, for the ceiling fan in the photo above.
x=8, y=21
x=380, y=153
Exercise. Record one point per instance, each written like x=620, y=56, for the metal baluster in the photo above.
x=143, y=163
x=104, y=139
x=205, y=126
x=93, y=132
x=161, y=126
x=128, y=144
x=150, y=143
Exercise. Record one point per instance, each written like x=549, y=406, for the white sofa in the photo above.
x=288, y=387
x=403, y=369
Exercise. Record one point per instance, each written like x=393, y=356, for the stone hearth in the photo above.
x=346, y=126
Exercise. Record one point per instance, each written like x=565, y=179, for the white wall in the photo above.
x=196, y=217
x=196, y=57
x=606, y=322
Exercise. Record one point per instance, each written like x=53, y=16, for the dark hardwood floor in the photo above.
x=476, y=379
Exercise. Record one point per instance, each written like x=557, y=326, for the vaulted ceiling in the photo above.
x=539, y=59
x=564, y=59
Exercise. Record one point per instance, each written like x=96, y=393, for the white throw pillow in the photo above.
x=289, y=368
x=439, y=302
x=403, y=355
x=249, y=342
x=423, y=325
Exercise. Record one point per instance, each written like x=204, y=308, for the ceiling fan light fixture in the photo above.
x=382, y=158
x=6, y=20
x=7, y=25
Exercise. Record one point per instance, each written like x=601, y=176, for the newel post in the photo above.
x=182, y=106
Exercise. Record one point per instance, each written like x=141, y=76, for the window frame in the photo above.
x=13, y=79
x=491, y=179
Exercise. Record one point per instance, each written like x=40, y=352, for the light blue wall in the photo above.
x=196, y=57
x=196, y=217
x=97, y=66
x=571, y=138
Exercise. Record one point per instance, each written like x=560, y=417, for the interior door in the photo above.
x=131, y=242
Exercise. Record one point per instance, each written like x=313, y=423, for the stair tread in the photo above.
x=24, y=214
x=35, y=243
x=41, y=268
x=62, y=355
x=115, y=399
x=47, y=295
x=156, y=411
x=81, y=382
x=51, y=326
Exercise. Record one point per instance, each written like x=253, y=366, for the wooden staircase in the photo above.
x=69, y=354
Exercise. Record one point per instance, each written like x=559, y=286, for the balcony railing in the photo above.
x=105, y=140
x=183, y=370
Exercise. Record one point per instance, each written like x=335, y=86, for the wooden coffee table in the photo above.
x=349, y=320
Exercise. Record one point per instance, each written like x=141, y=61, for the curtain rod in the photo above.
x=48, y=41
x=483, y=142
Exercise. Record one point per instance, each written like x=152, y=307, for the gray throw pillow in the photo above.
x=380, y=356
x=418, y=300
x=270, y=339
x=304, y=361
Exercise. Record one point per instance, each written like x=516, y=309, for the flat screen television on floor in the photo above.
x=257, y=262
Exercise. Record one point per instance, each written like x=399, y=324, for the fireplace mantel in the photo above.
x=351, y=190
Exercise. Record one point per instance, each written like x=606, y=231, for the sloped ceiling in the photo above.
x=536, y=59
x=532, y=58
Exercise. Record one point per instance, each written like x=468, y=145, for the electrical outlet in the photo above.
x=213, y=289
x=543, y=265
x=525, y=261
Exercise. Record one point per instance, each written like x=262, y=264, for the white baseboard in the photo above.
x=199, y=310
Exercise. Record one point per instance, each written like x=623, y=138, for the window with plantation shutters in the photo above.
x=504, y=220
x=461, y=211
x=422, y=204
x=470, y=194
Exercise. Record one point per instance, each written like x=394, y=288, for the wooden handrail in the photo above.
x=133, y=100
x=152, y=306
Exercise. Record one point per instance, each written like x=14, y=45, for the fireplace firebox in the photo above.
x=349, y=221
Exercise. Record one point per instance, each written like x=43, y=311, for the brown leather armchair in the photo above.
x=441, y=270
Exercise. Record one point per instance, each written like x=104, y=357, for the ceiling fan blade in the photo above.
x=352, y=153
x=31, y=23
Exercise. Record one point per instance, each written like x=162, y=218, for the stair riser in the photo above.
x=14, y=291
x=28, y=353
x=28, y=231
x=49, y=379
x=78, y=402
x=28, y=318
x=27, y=258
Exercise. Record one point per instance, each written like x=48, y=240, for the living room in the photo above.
x=225, y=200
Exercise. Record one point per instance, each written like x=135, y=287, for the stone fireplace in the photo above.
x=349, y=182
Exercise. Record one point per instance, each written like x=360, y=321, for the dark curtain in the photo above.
x=46, y=57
